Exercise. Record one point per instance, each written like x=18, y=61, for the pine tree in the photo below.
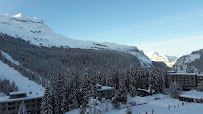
x=156, y=80
x=128, y=111
x=60, y=98
x=132, y=83
x=115, y=102
x=86, y=89
x=22, y=109
x=46, y=106
x=122, y=94
x=52, y=91
x=175, y=90
x=200, y=86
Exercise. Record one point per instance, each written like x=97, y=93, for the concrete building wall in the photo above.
x=104, y=94
x=187, y=82
x=32, y=105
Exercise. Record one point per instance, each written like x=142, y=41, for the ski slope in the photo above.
x=23, y=83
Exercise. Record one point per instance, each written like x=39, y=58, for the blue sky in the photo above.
x=172, y=27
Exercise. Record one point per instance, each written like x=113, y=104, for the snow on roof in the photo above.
x=192, y=94
x=28, y=97
x=199, y=74
x=16, y=93
x=105, y=88
x=171, y=71
x=182, y=74
x=98, y=85
x=146, y=90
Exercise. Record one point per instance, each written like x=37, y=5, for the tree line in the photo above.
x=7, y=87
x=62, y=95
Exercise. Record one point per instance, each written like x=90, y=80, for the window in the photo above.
x=12, y=103
x=9, y=108
x=3, y=109
x=3, y=104
x=33, y=100
x=39, y=100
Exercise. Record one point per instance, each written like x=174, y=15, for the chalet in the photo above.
x=144, y=92
x=104, y=92
x=10, y=104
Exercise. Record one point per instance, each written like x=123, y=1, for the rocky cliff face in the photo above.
x=157, y=57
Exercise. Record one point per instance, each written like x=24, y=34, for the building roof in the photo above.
x=28, y=97
x=192, y=94
x=182, y=74
x=102, y=88
x=172, y=72
x=17, y=93
x=199, y=74
x=146, y=90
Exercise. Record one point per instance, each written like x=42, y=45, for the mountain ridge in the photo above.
x=192, y=62
x=36, y=32
x=157, y=57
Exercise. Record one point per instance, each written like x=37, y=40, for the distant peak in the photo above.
x=18, y=15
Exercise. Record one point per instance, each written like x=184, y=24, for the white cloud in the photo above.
x=175, y=47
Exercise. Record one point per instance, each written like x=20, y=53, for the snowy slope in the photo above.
x=36, y=32
x=9, y=58
x=2, y=94
x=23, y=83
x=190, y=63
x=168, y=60
x=159, y=106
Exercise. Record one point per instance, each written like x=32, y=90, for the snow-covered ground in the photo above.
x=9, y=58
x=2, y=94
x=23, y=83
x=160, y=106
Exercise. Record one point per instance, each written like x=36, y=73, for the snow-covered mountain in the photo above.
x=168, y=60
x=190, y=63
x=36, y=32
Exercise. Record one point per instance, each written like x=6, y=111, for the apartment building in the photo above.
x=10, y=104
x=188, y=81
x=104, y=92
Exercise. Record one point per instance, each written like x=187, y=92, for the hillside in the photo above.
x=45, y=62
x=23, y=83
x=36, y=32
x=190, y=63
